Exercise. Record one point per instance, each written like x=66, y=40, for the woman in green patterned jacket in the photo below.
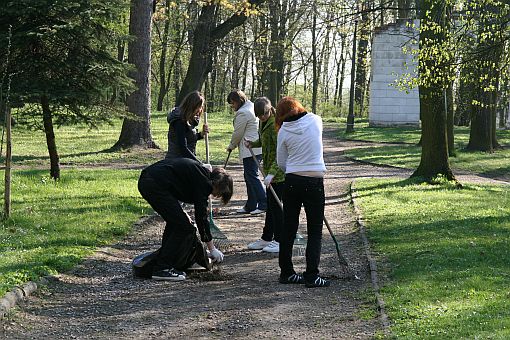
x=270, y=240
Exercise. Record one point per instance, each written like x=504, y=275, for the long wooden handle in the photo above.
x=226, y=161
x=206, y=137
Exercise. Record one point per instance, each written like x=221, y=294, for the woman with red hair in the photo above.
x=300, y=155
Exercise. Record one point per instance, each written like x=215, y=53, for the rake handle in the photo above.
x=226, y=161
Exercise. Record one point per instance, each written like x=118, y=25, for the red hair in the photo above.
x=287, y=107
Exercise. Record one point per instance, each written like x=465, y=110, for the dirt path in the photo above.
x=241, y=298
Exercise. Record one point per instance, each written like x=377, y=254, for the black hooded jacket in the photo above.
x=182, y=137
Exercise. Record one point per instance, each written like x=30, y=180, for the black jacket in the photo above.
x=188, y=181
x=182, y=137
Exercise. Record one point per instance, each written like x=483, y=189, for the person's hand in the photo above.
x=228, y=149
x=216, y=255
x=205, y=129
x=207, y=166
x=268, y=179
x=247, y=143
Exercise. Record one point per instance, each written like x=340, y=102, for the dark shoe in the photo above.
x=318, y=282
x=169, y=275
x=294, y=278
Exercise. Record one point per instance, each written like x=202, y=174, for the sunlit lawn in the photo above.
x=445, y=255
x=78, y=145
x=408, y=155
x=54, y=225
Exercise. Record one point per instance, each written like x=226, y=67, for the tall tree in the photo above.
x=63, y=65
x=362, y=57
x=434, y=69
x=493, y=18
x=206, y=36
x=136, y=129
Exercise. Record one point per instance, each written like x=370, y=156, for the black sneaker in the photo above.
x=169, y=275
x=318, y=282
x=294, y=278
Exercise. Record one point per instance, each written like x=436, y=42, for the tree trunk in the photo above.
x=50, y=138
x=315, y=78
x=136, y=131
x=487, y=73
x=464, y=98
x=403, y=9
x=361, y=67
x=342, y=73
x=205, y=38
x=448, y=100
x=434, y=152
x=163, y=89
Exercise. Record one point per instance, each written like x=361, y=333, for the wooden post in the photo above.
x=8, y=160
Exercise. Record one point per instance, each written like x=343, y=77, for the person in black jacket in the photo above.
x=182, y=130
x=163, y=185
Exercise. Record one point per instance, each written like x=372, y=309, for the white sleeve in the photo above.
x=240, y=123
x=281, y=152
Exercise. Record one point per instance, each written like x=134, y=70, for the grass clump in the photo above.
x=447, y=257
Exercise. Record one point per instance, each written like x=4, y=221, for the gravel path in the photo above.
x=241, y=297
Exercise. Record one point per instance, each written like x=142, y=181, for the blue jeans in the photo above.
x=254, y=187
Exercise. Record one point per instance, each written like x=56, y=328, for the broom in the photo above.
x=216, y=233
x=343, y=262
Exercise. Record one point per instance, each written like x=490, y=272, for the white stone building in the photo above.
x=388, y=105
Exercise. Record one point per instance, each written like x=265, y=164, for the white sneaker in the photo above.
x=258, y=245
x=257, y=211
x=272, y=247
x=242, y=211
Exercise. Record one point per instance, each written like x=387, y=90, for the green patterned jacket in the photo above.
x=267, y=140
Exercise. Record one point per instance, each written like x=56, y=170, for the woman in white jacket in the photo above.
x=246, y=128
x=299, y=154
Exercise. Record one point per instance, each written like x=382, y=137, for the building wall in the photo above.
x=389, y=106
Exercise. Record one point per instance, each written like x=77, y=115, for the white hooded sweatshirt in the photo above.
x=300, y=145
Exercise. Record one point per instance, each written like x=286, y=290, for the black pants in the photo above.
x=308, y=192
x=274, y=214
x=179, y=245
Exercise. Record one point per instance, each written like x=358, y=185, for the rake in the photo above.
x=343, y=262
x=216, y=233
x=226, y=161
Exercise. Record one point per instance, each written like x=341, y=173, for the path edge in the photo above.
x=374, y=277
x=21, y=292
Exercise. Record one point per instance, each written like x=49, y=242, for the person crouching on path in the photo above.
x=246, y=127
x=300, y=155
x=182, y=129
x=163, y=185
x=270, y=240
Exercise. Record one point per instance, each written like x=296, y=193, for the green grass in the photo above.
x=446, y=254
x=409, y=135
x=54, y=225
x=78, y=145
x=408, y=155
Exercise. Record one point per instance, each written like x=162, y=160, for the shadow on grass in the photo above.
x=23, y=158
